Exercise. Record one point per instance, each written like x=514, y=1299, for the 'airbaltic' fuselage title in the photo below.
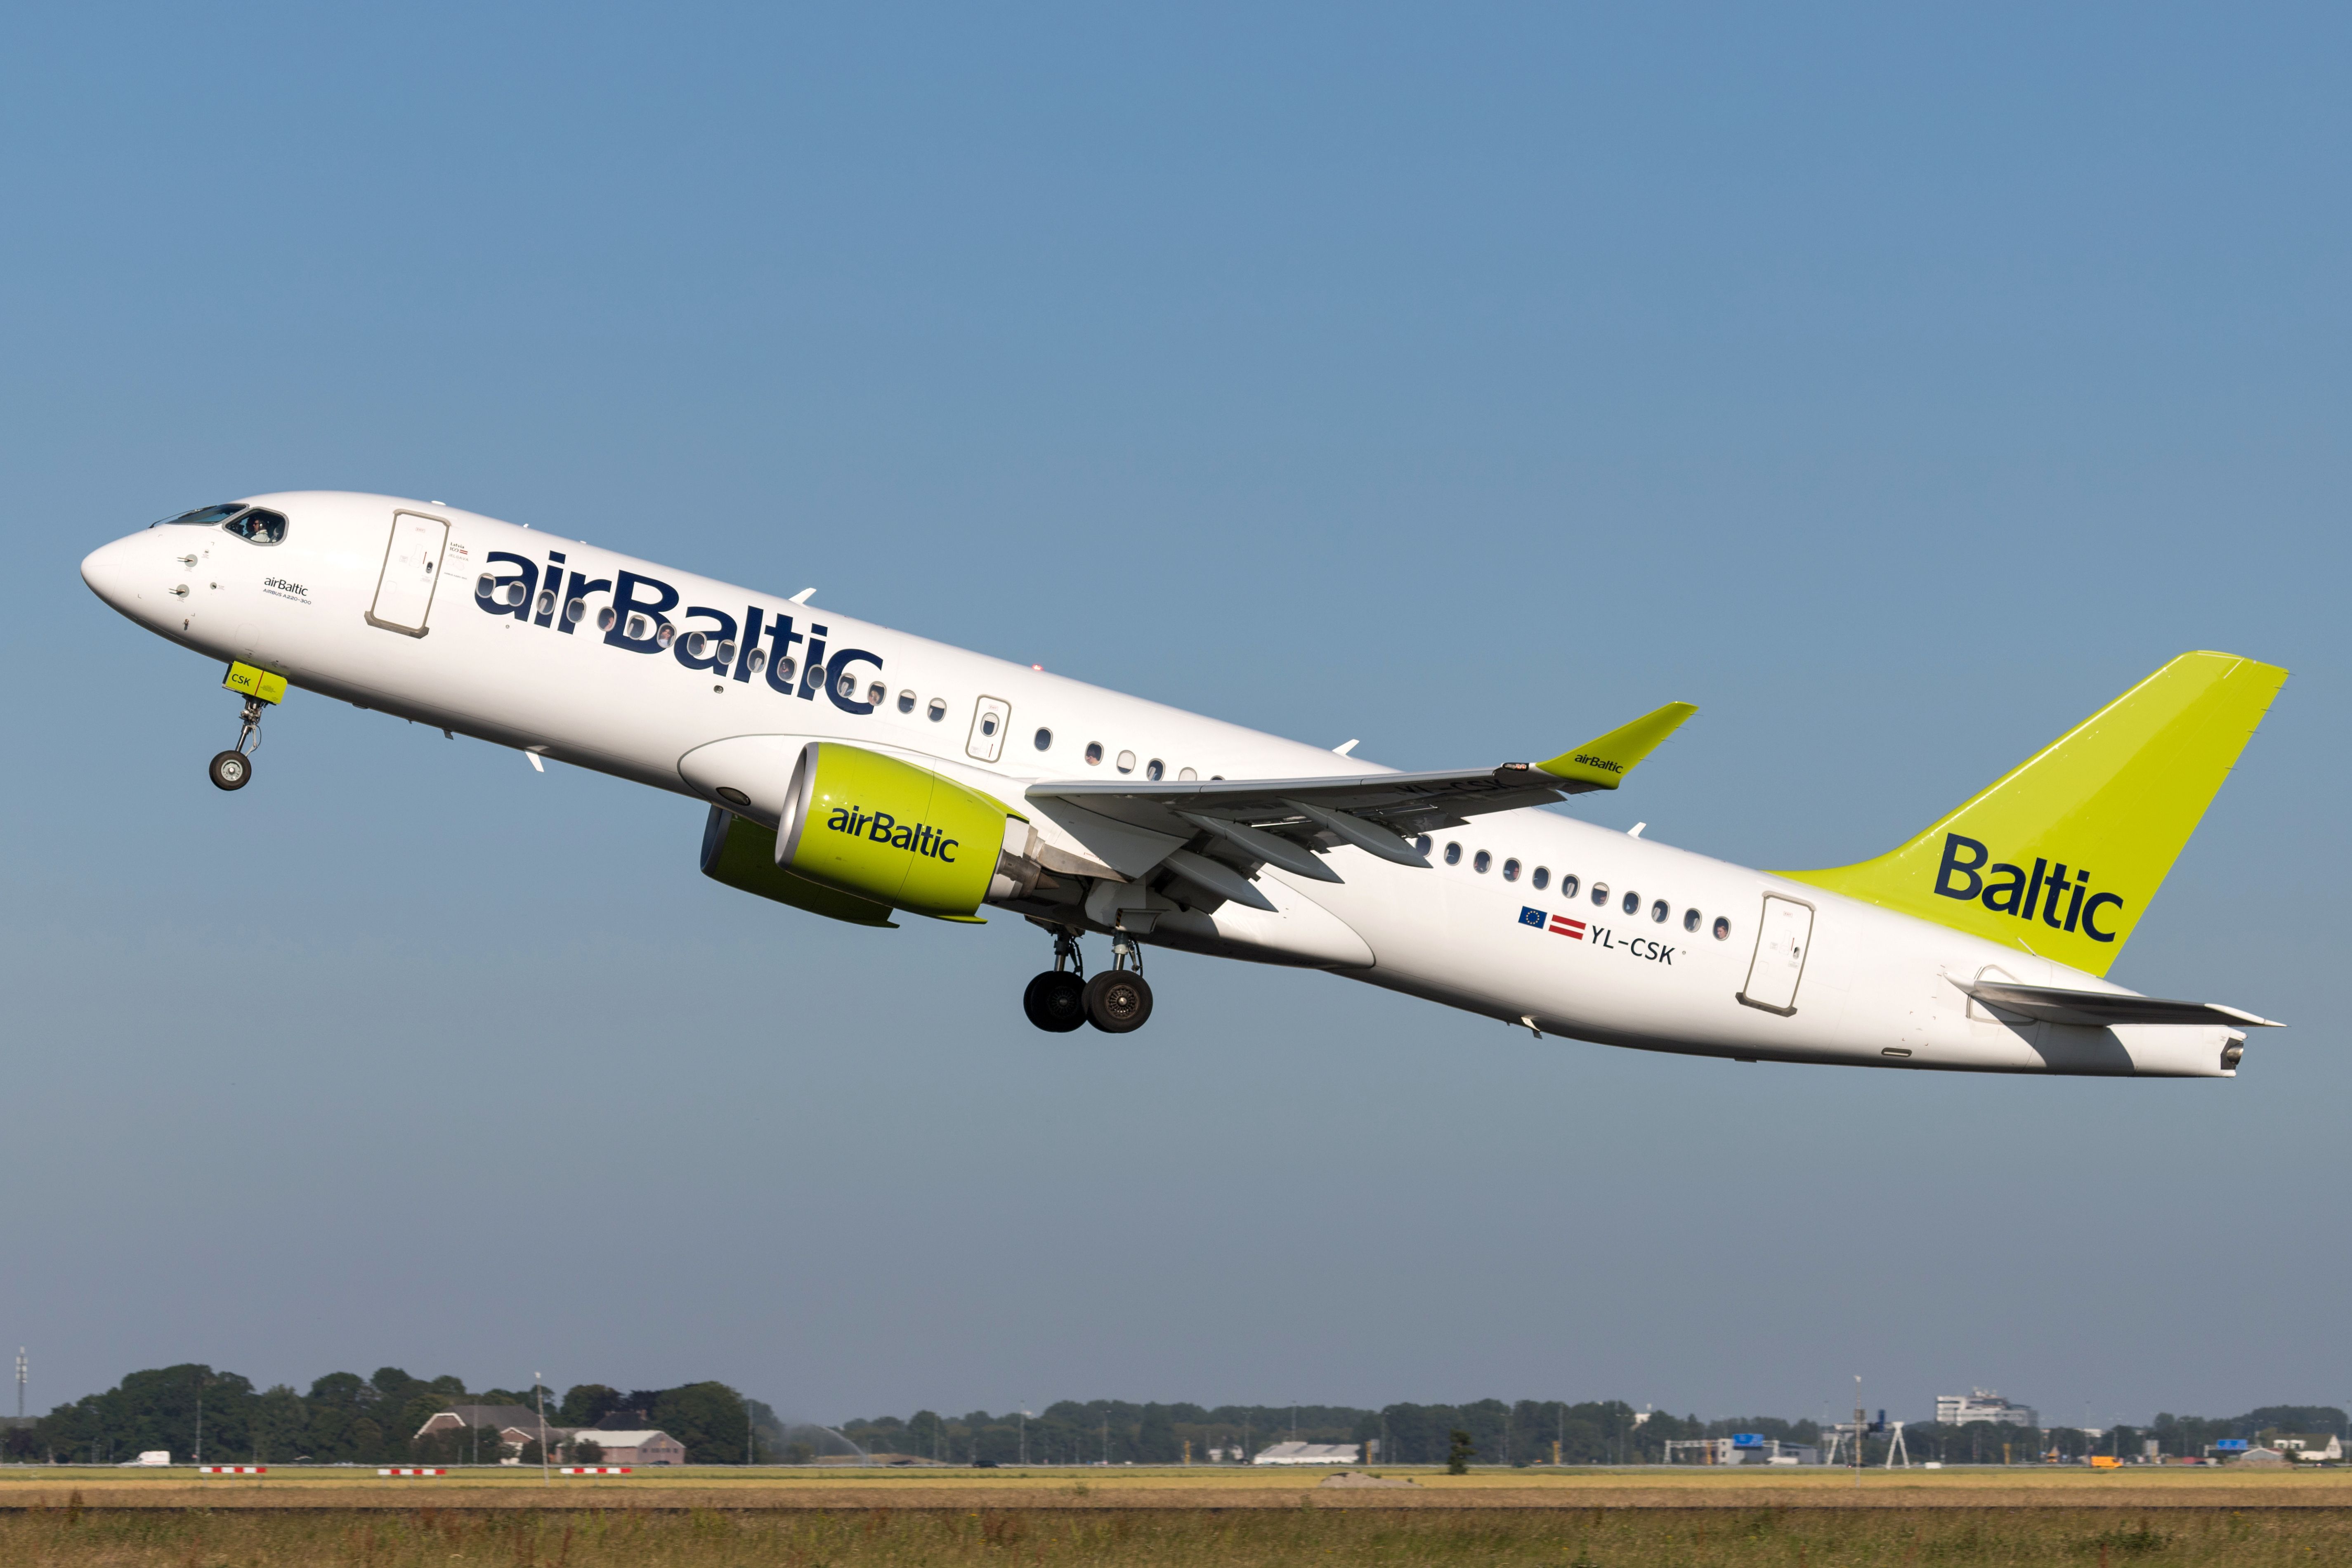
x=949, y=783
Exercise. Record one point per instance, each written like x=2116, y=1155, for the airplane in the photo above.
x=856, y=772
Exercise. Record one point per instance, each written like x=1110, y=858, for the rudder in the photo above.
x=2062, y=854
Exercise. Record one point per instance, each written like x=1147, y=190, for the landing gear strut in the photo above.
x=1118, y=1000
x=233, y=769
x=1055, y=1000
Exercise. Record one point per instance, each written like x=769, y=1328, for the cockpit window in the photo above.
x=206, y=516
x=259, y=526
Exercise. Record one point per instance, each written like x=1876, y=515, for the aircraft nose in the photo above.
x=112, y=572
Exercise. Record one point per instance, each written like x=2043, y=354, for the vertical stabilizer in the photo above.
x=2062, y=855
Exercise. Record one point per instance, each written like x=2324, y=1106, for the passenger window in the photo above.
x=605, y=618
x=1691, y=919
x=1481, y=861
x=1659, y=911
x=988, y=723
x=1567, y=885
x=935, y=712
x=697, y=645
x=1510, y=871
x=1126, y=761
x=1094, y=753
x=574, y=610
x=1044, y=740
x=1600, y=893
x=875, y=694
x=785, y=670
x=757, y=659
x=667, y=636
x=1155, y=769
x=905, y=702
x=484, y=585
x=1722, y=928
x=1542, y=878
x=1633, y=904
x=1454, y=854
x=1422, y=843
x=546, y=605
x=260, y=527
x=1185, y=775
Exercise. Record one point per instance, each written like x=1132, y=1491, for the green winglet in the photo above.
x=1603, y=762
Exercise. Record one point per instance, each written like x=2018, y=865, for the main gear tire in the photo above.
x=1117, y=1001
x=1055, y=1002
x=231, y=770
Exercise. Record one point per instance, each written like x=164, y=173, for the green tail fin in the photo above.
x=2062, y=855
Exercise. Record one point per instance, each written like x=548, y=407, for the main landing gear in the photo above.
x=233, y=769
x=1116, y=1001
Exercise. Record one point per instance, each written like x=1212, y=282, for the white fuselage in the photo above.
x=1876, y=987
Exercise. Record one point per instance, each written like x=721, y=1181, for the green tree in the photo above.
x=586, y=1404
x=1156, y=1442
x=709, y=1418
x=1459, y=1452
x=586, y=1450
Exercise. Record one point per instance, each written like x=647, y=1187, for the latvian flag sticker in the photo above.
x=1559, y=925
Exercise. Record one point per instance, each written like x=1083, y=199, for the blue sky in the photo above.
x=1897, y=387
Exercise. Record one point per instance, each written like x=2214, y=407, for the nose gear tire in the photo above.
x=1117, y=1001
x=231, y=770
x=1055, y=1002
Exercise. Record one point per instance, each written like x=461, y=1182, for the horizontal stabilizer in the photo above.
x=1603, y=762
x=2100, y=1009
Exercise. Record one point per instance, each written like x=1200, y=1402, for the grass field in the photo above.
x=712, y=1519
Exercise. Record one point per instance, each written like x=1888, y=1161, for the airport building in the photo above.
x=1310, y=1454
x=1742, y=1448
x=1982, y=1405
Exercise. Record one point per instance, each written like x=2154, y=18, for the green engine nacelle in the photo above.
x=899, y=835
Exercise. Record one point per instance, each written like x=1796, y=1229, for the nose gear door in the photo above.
x=412, y=567
x=1781, y=939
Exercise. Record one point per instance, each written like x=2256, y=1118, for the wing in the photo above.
x=1214, y=834
x=2099, y=1009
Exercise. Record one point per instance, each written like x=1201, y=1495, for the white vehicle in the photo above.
x=856, y=772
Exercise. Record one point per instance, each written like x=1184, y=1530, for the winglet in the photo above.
x=1603, y=762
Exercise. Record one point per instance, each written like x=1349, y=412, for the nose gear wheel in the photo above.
x=233, y=769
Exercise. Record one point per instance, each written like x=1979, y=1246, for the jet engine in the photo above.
x=900, y=835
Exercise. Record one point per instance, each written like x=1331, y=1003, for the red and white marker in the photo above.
x=594, y=1470
x=232, y=1470
x=409, y=1470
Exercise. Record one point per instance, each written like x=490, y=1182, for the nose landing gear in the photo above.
x=233, y=769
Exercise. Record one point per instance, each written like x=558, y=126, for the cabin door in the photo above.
x=1781, y=941
x=411, y=566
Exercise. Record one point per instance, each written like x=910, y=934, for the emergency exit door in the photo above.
x=1781, y=941
x=411, y=566
x=988, y=724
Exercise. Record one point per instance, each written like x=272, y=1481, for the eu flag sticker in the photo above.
x=1532, y=917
